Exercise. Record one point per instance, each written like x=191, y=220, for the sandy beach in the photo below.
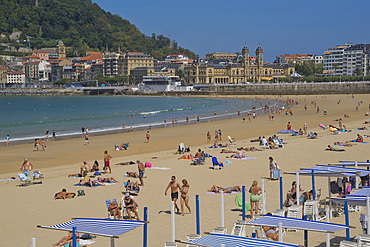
x=23, y=208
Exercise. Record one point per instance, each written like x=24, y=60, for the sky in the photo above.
x=279, y=26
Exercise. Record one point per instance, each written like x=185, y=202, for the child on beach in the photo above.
x=147, y=136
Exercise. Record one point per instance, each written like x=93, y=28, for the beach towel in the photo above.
x=96, y=185
x=9, y=179
x=159, y=168
x=228, y=162
x=285, y=132
x=84, y=241
x=358, y=142
x=232, y=192
x=239, y=202
x=68, y=195
x=245, y=158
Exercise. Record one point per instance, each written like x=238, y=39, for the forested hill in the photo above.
x=82, y=25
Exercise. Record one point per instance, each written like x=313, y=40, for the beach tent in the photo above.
x=217, y=240
x=298, y=224
x=101, y=227
x=296, y=75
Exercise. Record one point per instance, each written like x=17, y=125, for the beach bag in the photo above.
x=334, y=188
x=80, y=193
x=86, y=236
x=148, y=165
x=276, y=173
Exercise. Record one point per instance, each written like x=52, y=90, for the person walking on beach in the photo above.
x=187, y=119
x=47, y=134
x=86, y=139
x=175, y=186
x=147, y=136
x=54, y=135
x=107, y=159
x=141, y=168
x=185, y=196
x=83, y=132
x=216, y=135
x=7, y=140
x=208, y=136
x=42, y=145
x=37, y=144
x=255, y=197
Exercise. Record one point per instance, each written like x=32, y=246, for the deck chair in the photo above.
x=281, y=143
x=108, y=202
x=295, y=211
x=191, y=237
x=279, y=212
x=220, y=230
x=38, y=177
x=124, y=209
x=311, y=135
x=363, y=240
x=311, y=210
x=170, y=244
x=345, y=243
x=216, y=165
x=231, y=140
x=199, y=161
x=24, y=180
x=239, y=229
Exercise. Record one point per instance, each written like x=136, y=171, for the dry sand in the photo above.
x=23, y=208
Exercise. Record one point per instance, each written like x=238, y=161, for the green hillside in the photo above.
x=82, y=25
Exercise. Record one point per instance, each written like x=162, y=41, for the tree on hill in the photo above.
x=81, y=24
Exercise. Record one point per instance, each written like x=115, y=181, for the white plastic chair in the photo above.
x=279, y=212
x=345, y=243
x=124, y=210
x=311, y=210
x=239, y=229
x=231, y=140
x=191, y=237
x=295, y=211
x=24, y=180
x=363, y=240
x=170, y=244
x=220, y=230
x=38, y=177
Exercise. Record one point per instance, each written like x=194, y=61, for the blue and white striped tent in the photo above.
x=332, y=171
x=102, y=227
x=215, y=240
x=299, y=224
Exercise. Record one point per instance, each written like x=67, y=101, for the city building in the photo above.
x=3, y=75
x=356, y=60
x=56, y=68
x=333, y=60
x=61, y=49
x=16, y=79
x=173, y=61
x=45, y=55
x=220, y=55
x=241, y=69
x=137, y=74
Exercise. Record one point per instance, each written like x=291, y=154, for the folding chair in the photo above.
x=279, y=212
x=124, y=209
x=311, y=210
x=363, y=240
x=38, y=177
x=216, y=165
x=295, y=211
x=108, y=203
x=281, y=143
x=345, y=243
x=220, y=230
x=239, y=229
x=24, y=180
x=231, y=140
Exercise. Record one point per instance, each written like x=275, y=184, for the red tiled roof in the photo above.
x=93, y=56
x=15, y=73
x=40, y=51
x=3, y=68
x=32, y=56
x=297, y=55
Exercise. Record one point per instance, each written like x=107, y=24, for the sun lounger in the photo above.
x=191, y=237
x=345, y=243
x=170, y=244
x=279, y=212
x=231, y=140
x=24, y=180
x=239, y=229
x=37, y=177
x=363, y=240
x=295, y=211
x=220, y=230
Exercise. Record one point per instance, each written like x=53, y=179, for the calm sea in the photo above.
x=28, y=117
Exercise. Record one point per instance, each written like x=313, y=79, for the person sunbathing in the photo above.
x=125, y=163
x=80, y=175
x=224, y=151
x=256, y=140
x=253, y=149
x=186, y=157
x=239, y=155
x=218, y=189
x=132, y=174
x=345, y=144
x=131, y=185
x=106, y=180
x=65, y=240
x=61, y=195
x=271, y=232
x=95, y=167
x=87, y=181
x=362, y=128
x=367, y=136
x=330, y=148
x=115, y=209
x=359, y=138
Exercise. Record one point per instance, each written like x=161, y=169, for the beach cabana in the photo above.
x=217, y=240
x=298, y=224
x=100, y=227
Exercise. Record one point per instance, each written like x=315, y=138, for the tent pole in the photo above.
x=33, y=242
x=327, y=234
x=313, y=185
x=243, y=204
x=305, y=235
x=222, y=210
x=145, y=237
x=74, y=238
x=281, y=191
x=280, y=232
x=330, y=213
x=368, y=176
x=347, y=219
x=263, y=196
x=197, y=214
x=368, y=213
x=172, y=221
x=112, y=242
x=356, y=166
x=297, y=186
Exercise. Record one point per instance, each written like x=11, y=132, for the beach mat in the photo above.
x=159, y=168
x=245, y=158
x=96, y=185
x=232, y=192
x=358, y=142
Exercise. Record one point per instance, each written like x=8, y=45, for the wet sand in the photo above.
x=25, y=207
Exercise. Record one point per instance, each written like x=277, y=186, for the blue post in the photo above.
x=197, y=213
x=347, y=219
x=313, y=185
x=243, y=193
x=281, y=192
x=368, y=177
x=74, y=230
x=145, y=237
x=305, y=234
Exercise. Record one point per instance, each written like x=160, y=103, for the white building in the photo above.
x=317, y=59
x=333, y=60
x=44, y=70
x=16, y=78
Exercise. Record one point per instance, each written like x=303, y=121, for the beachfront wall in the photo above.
x=287, y=88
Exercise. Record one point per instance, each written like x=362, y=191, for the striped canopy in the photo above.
x=299, y=224
x=352, y=163
x=363, y=192
x=102, y=227
x=332, y=171
x=215, y=240
x=352, y=200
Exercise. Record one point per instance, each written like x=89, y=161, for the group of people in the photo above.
x=184, y=190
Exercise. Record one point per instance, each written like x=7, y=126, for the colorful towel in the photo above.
x=245, y=158
x=9, y=179
x=96, y=185
x=159, y=168
x=358, y=142
x=239, y=202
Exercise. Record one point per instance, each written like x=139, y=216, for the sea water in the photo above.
x=28, y=117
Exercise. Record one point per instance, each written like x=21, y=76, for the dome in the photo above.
x=245, y=48
x=259, y=49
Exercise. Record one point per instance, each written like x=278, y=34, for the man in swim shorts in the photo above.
x=147, y=136
x=141, y=168
x=26, y=167
x=107, y=158
x=175, y=186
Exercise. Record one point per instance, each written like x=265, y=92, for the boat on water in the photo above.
x=163, y=84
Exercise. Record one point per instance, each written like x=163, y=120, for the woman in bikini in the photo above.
x=184, y=196
x=255, y=197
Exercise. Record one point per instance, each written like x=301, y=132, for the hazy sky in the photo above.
x=281, y=26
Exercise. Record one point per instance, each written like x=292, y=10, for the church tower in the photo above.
x=259, y=61
x=61, y=48
x=245, y=55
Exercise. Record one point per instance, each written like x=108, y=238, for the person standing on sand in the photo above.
x=7, y=140
x=123, y=128
x=305, y=128
x=176, y=121
x=141, y=168
x=47, y=134
x=43, y=145
x=26, y=167
x=175, y=186
x=147, y=136
x=86, y=139
x=185, y=196
x=107, y=158
x=54, y=135
x=288, y=126
x=83, y=132
x=208, y=136
x=273, y=166
x=219, y=135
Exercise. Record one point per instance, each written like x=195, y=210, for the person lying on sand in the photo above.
x=131, y=185
x=330, y=148
x=345, y=144
x=106, y=180
x=240, y=154
x=80, y=175
x=133, y=175
x=218, y=145
x=224, y=151
x=63, y=195
x=218, y=189
x=362, y=128
x=125, y=163
x=89, y=182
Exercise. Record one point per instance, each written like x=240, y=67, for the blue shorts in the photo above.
x=141, y=174
x=27, y=173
